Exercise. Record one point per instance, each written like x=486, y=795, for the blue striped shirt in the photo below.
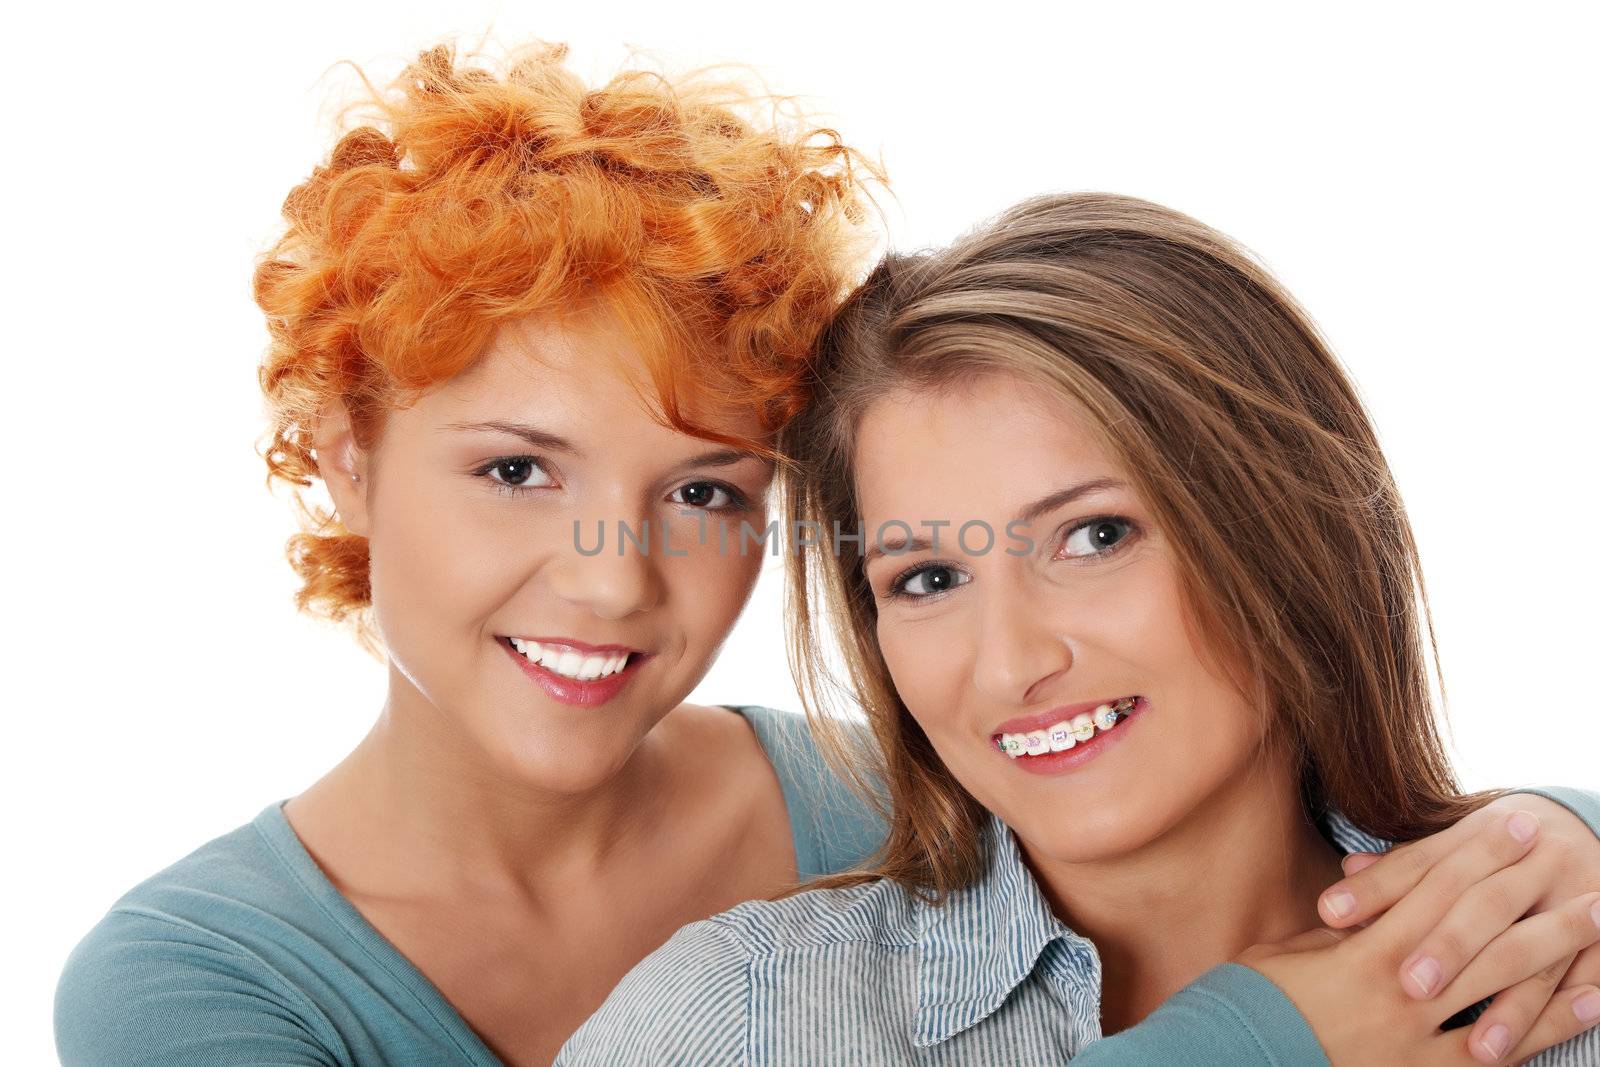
x=872, y=975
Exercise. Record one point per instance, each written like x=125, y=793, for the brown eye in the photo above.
x=707, y=496
x=518, y=472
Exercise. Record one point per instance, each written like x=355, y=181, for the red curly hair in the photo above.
x=723, y=241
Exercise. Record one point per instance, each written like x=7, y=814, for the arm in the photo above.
x=1562, y=865
x=686, y=1005
x=139, y=991
x=1231, y=1016
x=1582, y=803
x=1235, y=1015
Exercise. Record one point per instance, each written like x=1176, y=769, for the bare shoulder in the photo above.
x=714, y=732
x=730, y=790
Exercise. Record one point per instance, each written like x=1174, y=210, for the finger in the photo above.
x=1361, y=895
x=1585, y=970
x=1501, y=842
x=1483, y=913
x=1527, y=948
x=1511, y=1017
x=1569, y=1013
x=1356, y=862
x=1375, y=888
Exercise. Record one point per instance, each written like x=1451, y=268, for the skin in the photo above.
x=1184, y=844
x=476, y=794
x=462, y=823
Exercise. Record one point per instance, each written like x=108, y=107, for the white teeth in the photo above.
x=571, y=664
x=1068, y=734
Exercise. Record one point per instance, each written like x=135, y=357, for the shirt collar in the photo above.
x=979, y=945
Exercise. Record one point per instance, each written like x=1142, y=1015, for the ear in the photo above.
x=343, y=465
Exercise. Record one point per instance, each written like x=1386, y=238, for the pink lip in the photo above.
x=571, y=690
x=1074, y=758
x=1029, y=723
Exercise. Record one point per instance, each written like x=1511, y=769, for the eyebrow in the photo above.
x=532, y=434
x=543, y=439
x=722, y=457
x=1043, y=505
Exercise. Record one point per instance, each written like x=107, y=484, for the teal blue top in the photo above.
x=877, y=976
x=243, y=952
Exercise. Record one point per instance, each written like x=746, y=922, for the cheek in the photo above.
x=928, y=662
x=437, y=565
x=709, y=587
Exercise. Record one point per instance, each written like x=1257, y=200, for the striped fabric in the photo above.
x=872, y=976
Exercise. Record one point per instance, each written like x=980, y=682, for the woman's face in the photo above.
x=470, y=502
x=982, y=644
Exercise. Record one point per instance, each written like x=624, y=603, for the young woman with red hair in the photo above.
x=511, y=317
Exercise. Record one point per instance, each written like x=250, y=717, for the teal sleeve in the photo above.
x=834, y=828
x=1581, y=802
x=141, y=991
x=1231, y=1016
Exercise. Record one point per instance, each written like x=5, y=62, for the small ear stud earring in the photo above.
x=355, y=477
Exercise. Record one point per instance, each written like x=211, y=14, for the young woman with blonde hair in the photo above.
x=1125, y=588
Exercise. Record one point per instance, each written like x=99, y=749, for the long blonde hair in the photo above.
x=1240, y=432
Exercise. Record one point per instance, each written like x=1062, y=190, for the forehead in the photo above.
x=579, y=372
x=984, y=447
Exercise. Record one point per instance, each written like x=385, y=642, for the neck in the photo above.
x=427, y=811
x=1244, y=867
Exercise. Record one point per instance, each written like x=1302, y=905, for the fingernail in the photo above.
x=1494, y=1041
x=1587, y=1007
x=1523, y=826
x=1339, y=904
x=1425, y=974
x=1594, y=912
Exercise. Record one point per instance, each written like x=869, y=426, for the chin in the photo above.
x=554, y=760
x=1097, y=833
x=564, y=773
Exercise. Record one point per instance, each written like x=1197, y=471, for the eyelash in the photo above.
x=738, y=501
x=506, y=488
x=898, y=586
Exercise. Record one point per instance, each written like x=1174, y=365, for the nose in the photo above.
x=1019, y=647
x=609, y=583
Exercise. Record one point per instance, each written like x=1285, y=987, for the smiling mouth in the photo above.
x=572, y=664
x=1068, y=733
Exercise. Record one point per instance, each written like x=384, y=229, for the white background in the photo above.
x=1421, y=176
